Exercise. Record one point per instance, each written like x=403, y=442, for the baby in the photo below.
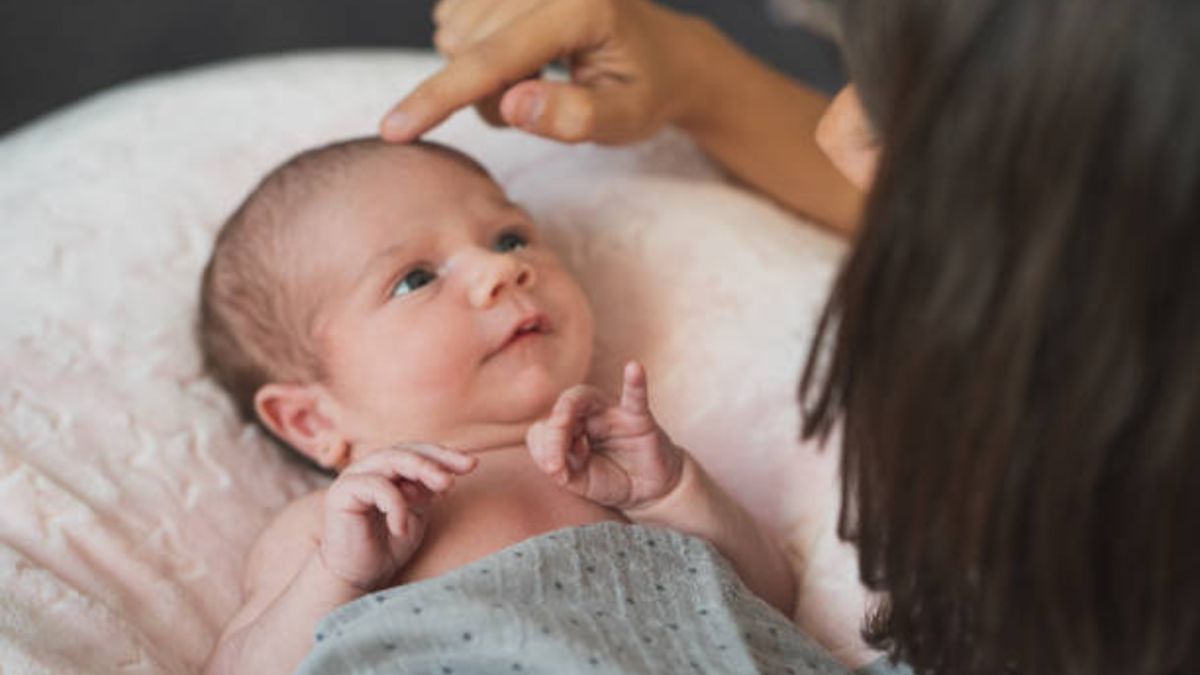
x=388, y=313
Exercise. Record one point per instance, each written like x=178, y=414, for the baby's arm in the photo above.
x=698, y=506
x=617, y=455
x=300, y=569
x=286, y=590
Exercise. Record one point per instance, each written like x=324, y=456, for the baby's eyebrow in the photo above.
x=383, y=256
x=509, y=207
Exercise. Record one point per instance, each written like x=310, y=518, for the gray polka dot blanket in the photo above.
x=597, y=599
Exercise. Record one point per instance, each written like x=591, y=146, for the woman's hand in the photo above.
x=628, y=62
x=611, y=454
x=376, y=510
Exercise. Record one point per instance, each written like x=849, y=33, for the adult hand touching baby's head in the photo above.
x=627, y=62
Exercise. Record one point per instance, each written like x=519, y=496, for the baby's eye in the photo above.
x=412, y=281
x=510, y=241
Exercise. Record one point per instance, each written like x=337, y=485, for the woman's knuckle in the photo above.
x=445, y=41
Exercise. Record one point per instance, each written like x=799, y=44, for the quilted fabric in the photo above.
x=129, y=493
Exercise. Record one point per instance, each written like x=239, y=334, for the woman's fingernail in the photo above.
x=529, y=109
x=396, y=125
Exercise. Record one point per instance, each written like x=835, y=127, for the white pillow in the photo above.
x=129, y=493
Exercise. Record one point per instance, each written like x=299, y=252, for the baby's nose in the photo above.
x=497, y=273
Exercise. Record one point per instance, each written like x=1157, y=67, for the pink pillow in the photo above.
x=129, y=493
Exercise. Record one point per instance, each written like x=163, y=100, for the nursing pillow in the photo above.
x=129, y=491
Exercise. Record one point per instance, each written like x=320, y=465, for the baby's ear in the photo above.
x=294, y=413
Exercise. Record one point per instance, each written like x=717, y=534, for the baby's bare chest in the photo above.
x=504, y=501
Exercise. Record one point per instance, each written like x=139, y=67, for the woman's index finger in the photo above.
x=508, y=55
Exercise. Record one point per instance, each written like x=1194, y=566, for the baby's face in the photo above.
x=444, y=317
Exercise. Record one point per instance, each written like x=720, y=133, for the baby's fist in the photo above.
x=376, y=510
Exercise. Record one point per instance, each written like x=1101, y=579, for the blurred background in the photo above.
x=54, y=53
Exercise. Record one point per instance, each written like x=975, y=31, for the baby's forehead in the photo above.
x=425, y=186
x=396, y=197
x=422, y=177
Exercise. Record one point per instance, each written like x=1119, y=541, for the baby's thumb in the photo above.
x=564, y=111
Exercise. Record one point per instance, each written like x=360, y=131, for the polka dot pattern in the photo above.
x=600, y=599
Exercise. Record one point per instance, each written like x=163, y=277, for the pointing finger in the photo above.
x=634, y=395
x=507, y=55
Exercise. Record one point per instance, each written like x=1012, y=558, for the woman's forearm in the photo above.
x=761, y=126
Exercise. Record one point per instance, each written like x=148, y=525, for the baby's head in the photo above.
x=367, y=294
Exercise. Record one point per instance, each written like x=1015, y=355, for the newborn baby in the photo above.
x=386, y=312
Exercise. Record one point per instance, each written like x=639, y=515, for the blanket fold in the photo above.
x=597, y=599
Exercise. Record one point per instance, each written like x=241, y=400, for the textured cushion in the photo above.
x=130, y=494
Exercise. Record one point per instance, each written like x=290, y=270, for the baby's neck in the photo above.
x=481, y=438
x=470, y=439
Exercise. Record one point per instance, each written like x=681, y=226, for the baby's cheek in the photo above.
x=439, y=362
x=581, y=338
x=415, y=370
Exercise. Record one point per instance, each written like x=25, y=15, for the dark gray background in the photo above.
x=54, y=53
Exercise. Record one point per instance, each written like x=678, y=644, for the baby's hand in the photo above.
x=615, y=455
x=375, y=512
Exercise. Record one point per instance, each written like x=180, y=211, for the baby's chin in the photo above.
x=529, y=394
x=504, y=425
x=526, y=407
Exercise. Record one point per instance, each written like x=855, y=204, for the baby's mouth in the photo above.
x=530, y=327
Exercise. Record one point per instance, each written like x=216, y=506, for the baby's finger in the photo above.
x=578, y=452
x=450, y=460
x=417, y=496
x=364, y=493
x=548, y=447
x=635, y=397
x=394, y=464
x=459, y=462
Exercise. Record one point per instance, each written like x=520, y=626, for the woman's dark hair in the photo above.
x=1012, y=350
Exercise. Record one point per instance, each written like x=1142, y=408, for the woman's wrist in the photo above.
x=699, y=58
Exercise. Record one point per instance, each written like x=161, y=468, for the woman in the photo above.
x=1013, y=347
